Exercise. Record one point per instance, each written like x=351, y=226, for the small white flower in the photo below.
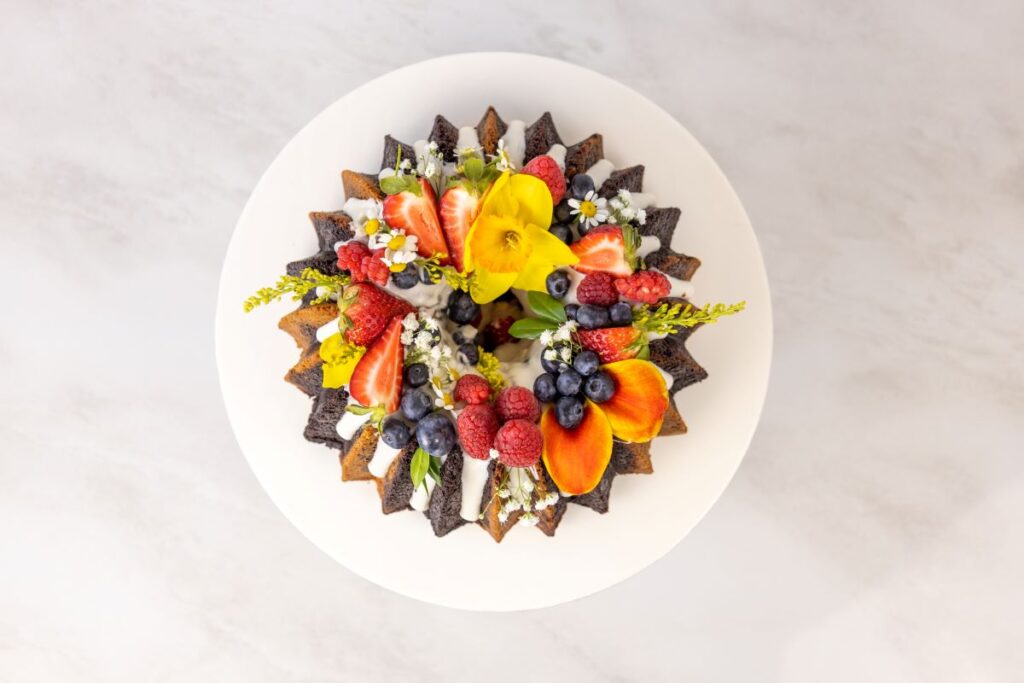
x=410, y=322
x=546, y=337
x=466, y=152
x=592, y=210
x=566, y=354
x=625, y=196
x=503, y=493
x=503, y=163
x=430, y=324
x=502, y=516
x=407, y=338
x=424, y=340
x=564, y=332
x=551, y=354
x=379, y=240
x=529, y=519
x=435, y=353
x=641, y=216
x=494, y=456
x=527, y=484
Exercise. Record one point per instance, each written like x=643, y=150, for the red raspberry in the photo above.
x=497, y=332
x=350, y=258
x=375, y=269
x=472, y=389
x=647, y=286
x=597, y=289
x=517, y=403
x=519, y=443
x=477, y=425
x=546, y=168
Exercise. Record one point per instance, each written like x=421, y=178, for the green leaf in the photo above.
x=546, y=306
x=392, y=184
x=531, y=328
x=419, y=467
x=434, y=470
x=358, y=410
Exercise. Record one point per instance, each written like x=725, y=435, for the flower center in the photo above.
x=500, y=244
x=396, y=242
x=372, y=226
x=512, y=240
x=588, y=209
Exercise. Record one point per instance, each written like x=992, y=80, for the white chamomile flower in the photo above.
x=503, y=163
x=590, y=211
x=546, y=337
x=367, y=216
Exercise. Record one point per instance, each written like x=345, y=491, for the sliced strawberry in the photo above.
x=459, y=206
x=366, y=311
x=377, y=379
x=613, y=343
x=603, y=249
x=416, y=213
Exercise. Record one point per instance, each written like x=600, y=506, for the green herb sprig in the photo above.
x=423, y=465
x=550, y=316
x=308, y=280
x=668, y=318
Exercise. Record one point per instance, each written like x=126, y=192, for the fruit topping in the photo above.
x=569, y=411
x=591, y=317
x=599, y=387
x=569, y=382
x=557, y=284
x=597, y=289
x=395, y=433
x=417, y=374
x=435, y=434
x=586, y=362
x=477, y=426
x=472, y=389
x=603, y=249
x=461, y=308
x=407, y=278
x=577, y=457
x=612, y=343
x=562, y=232
x=547, y=169
x=366, y=311
x=581, y=185
x=459, y=207
x=544, y=387
x=517, y=403
x=519, y=443
x=377, y=378
x=415, y=404
x=350, y=258
x=469, y=353
x=414, y=210
x=648, y=286
x=620, y=313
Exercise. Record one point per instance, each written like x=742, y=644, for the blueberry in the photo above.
x=563, y=212
x=469, y=353
x=407, y=278
x=395, y=433
x=569, y=411
x=580, y=185
x=586, y=362
x=416, y=404
x=436, y=434
x=570, y=311
x=416, y=375
x=562, y=232
x=553, y=366
x=569, y=382
x=592, y=317
x=424, y=276
x=599, y=387
x=558, y=284
x=620, y=314
x=461, y=308
x=544, y=387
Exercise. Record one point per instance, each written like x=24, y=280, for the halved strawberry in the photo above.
x=613, y=343
x=416, y=213
x=604, y=249
x=377, y=379
x=459, y=206
x=366, y=311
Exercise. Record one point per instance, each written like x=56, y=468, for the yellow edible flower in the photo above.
x=340, y=359
x=508, y=244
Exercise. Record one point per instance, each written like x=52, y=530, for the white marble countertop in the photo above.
x=871, y=533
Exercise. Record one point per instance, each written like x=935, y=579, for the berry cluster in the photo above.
x=568, y=384
x=363, y=264
x=505, y=428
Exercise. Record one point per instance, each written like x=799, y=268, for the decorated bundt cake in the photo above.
x=494, y=325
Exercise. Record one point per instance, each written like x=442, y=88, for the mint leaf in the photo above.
x=434, y=470
x=418, y=467
x=531, y=328
x=392, y=184
x=546, y=306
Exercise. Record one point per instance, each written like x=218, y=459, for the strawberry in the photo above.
x=546, y=168
x=415, y=211
x=366, y=310
x=377, y=378
x=604, y=249
x=459, y=206
x=613, y=343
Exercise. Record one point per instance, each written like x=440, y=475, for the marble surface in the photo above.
x=871, y=534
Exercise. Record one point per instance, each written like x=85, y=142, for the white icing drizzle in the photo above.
x=357, y=208
x=648, y=244
x=679, y=288
x=557, y=152
x=327, y=330
x=419, y=148
x=474, y=479
x=669, y=379
x=600, y=172
x=575, y=278
x=426, y=297
x=641, y=200
x=349, y=423
x=467, y=138
x=382, y=458
x=524, y=372
x=515, y=142
x=420, y=498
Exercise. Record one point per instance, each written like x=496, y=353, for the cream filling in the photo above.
x=349, y=423
x=420, y=498
x=474, y=479
x=515, y=142
x=600, y=172
x=468, y=139
x=557, y=152
x=382, y=458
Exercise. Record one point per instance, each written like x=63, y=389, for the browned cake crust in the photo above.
x=597, y=499
x=631, y=458
x=355, y=463
x=302, y=323
x=446, y=135
x=631, y=179
x=391, y=147
x=360, y=185
x=397, y=483
x=492, y=505
x=331, y=227
x=550, y=517
x=489, y=130
x=540, y=136
x=672, y=423
x=307, y=374
x=328, y=408
x=446, y=502
x=583, y=155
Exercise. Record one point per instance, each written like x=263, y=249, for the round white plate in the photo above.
x=467, y=569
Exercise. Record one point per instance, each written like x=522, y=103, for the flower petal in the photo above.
x=549, y=248
x=534, y=199
x=637, y=408
x=499, y=199
x=577, y=458
x=488, y=286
